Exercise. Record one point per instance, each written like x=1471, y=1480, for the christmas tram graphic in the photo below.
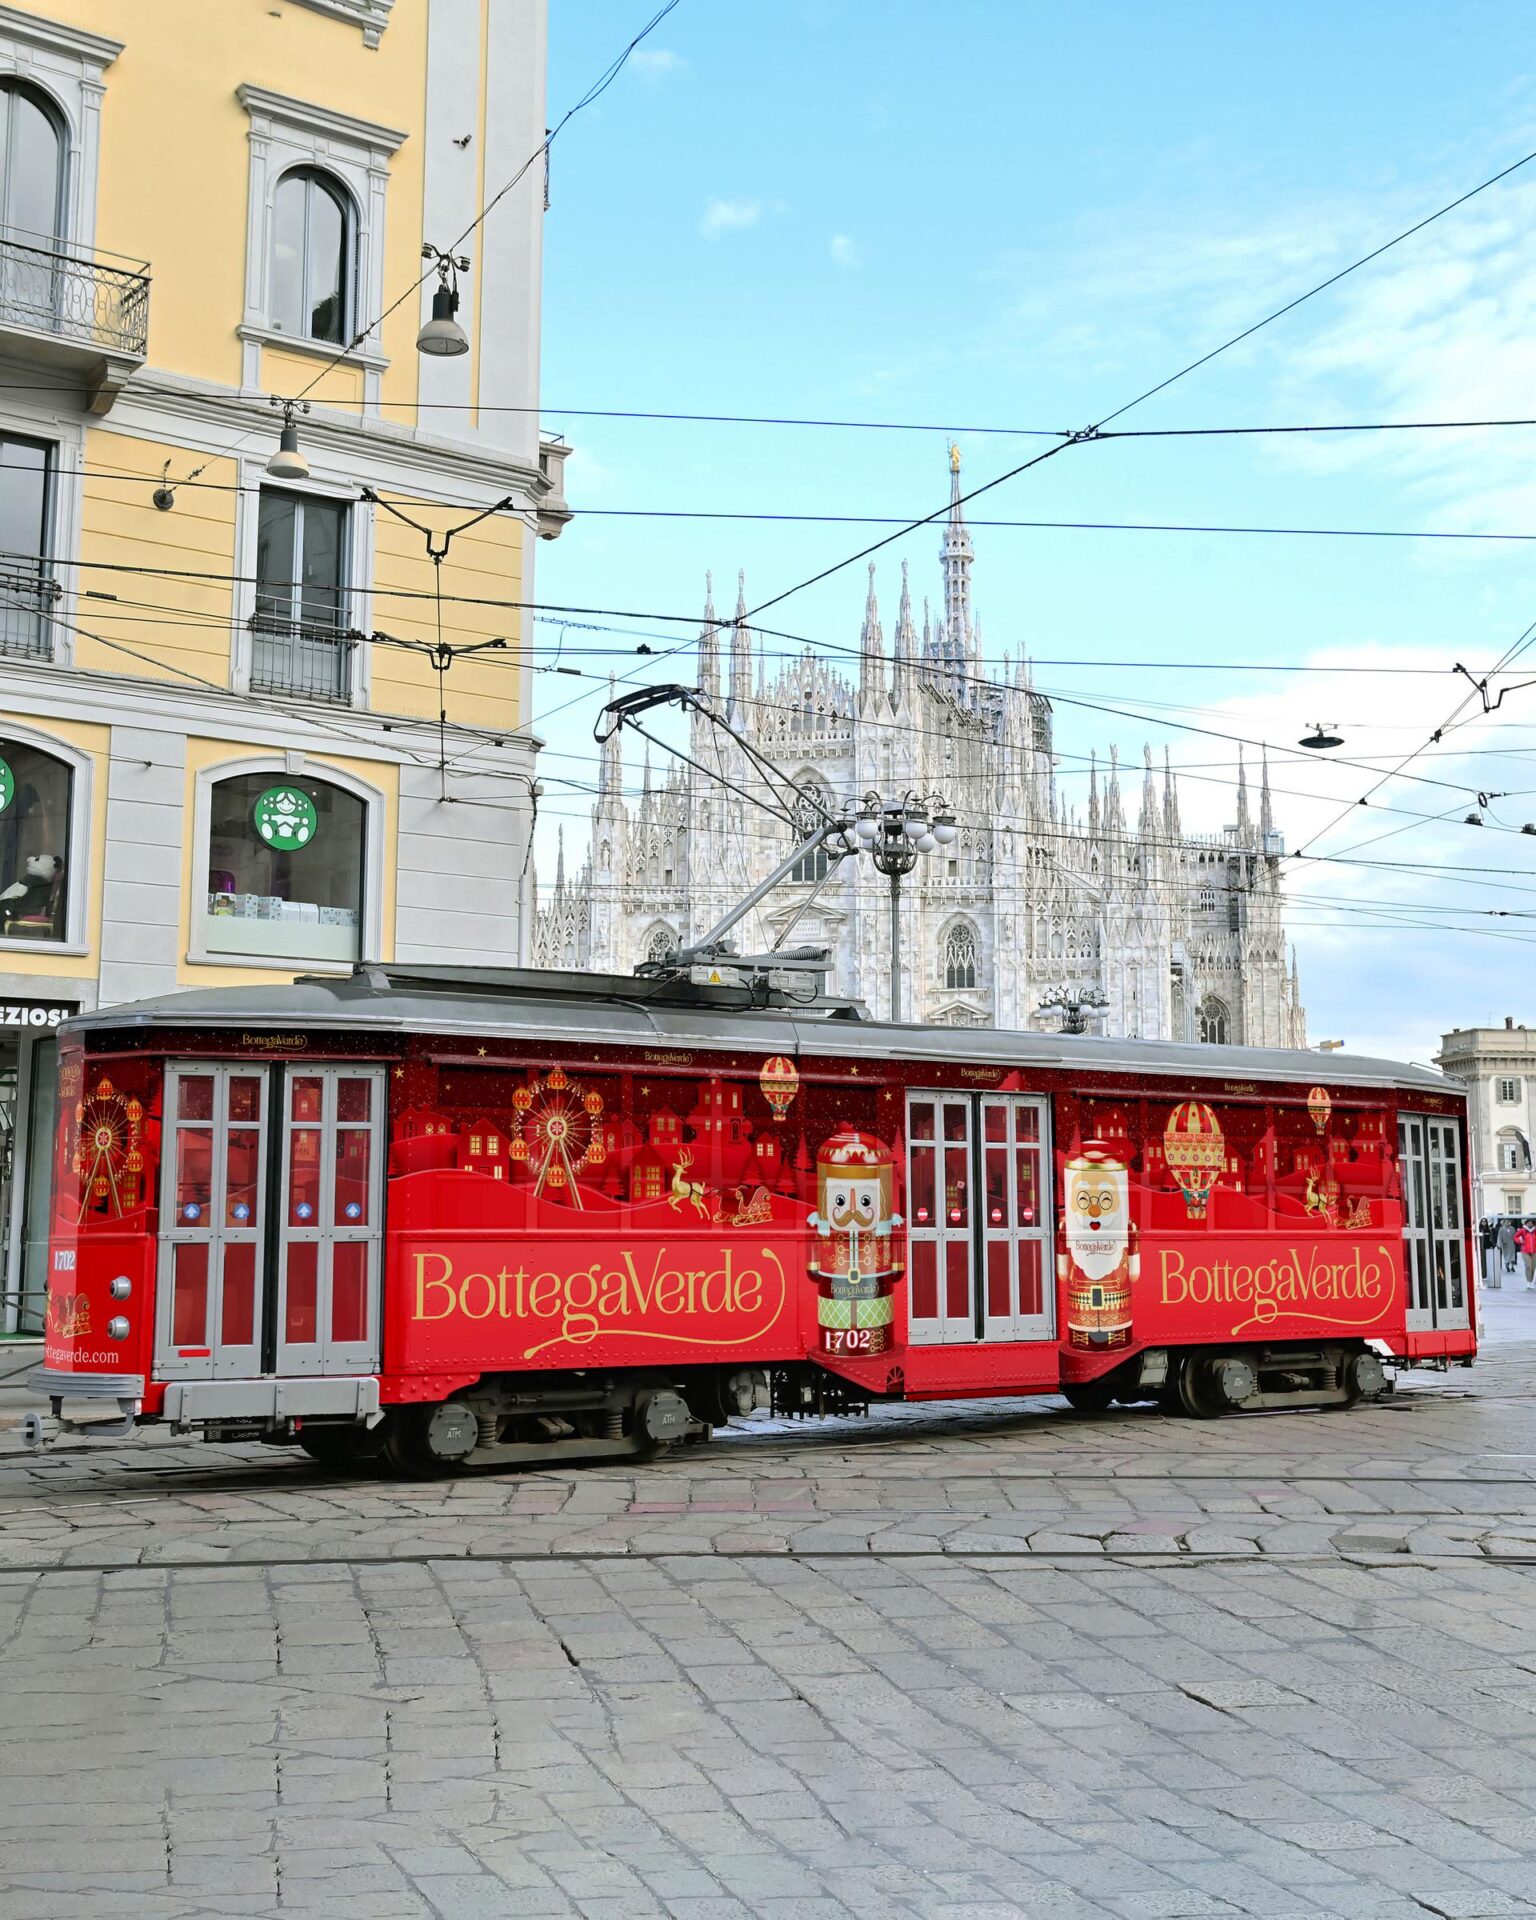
x=461, y=1220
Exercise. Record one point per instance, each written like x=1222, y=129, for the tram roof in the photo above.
x=617, y=1010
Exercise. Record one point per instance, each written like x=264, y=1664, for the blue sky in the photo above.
x=1019, y=215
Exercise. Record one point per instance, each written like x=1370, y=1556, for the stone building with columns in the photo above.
x=1180, y=935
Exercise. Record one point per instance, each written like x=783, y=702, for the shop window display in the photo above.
x=285, y=869
x=36, y=791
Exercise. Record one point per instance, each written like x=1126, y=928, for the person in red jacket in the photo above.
x=1525, y=1243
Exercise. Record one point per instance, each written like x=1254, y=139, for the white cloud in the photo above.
x=657, y=62
x=727, y=216
x=844, y=250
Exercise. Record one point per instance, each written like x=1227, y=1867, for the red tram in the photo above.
x=508, y=1217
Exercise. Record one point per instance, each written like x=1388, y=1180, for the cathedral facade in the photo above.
x=1157, y=933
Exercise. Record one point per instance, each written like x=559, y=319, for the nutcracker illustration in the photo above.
x=856, y=1259
x=1097, y=1259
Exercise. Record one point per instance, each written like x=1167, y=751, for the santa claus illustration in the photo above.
x=1097, y=1260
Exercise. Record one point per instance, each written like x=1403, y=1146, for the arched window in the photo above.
x=811, y=811
x=33, y=149
x=1514, y=1154
x=286, y=859
x=1215, y=1022
x=662, y=941
x=960, y=956
x=314, y=250
x=36, y=796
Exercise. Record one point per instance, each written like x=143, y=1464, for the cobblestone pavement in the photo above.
x=964, y=1662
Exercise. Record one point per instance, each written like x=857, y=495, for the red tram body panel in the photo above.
x=473, y=1217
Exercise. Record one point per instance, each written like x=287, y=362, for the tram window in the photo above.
x=285, y=869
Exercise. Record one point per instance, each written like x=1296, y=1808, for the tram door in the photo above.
x=978, y=1219
x=212, y=1222
x=329, y=1226
x=270, y=1211
x=1434, y=1227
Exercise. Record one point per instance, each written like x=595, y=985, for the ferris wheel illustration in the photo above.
x=108, y=1155
x=558, y=1134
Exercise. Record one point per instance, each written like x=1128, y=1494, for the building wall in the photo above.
x=1482, y=1057
x=181, y=116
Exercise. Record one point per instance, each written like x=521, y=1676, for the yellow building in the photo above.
x=221, y=756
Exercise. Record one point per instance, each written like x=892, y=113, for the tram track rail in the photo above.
x=980, y=1557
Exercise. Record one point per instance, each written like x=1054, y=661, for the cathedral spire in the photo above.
x=741, y=656
x=1266, y=811
x=871, y=651
x=1114, y=818
x=1148, y=799
x=956, y=555
x=709, y=644
x=1171, y=828
x=904, y=656
x=560, y=859
x=1244, y=818
x=1093, y=792
x=610, y=766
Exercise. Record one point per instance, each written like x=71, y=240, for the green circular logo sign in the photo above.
x=285, y=818
x=7, y=786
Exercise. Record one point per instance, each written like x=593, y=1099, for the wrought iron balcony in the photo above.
x=312, y=658
x=28, y=595
x=86, y=313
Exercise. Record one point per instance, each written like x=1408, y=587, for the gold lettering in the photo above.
x=544, y=1296
x=720, y=1300
x=441, y=1281
x=580, y=1323
x=490, y=1296
x=1171, y=1274
x=749, y=1286
x=670, y=1291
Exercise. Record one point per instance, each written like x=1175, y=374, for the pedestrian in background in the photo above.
x=1506, y=1244
x=1525, y=1240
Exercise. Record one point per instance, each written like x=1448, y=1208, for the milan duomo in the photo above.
x=1164, y=934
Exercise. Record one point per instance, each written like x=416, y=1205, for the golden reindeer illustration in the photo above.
x=686, y=1189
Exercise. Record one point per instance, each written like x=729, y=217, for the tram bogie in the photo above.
x=450, y=1221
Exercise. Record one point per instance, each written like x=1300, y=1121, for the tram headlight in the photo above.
x=121, y=1287
x=117, y=1327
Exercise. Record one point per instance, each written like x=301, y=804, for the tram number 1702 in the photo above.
x=851, y=1340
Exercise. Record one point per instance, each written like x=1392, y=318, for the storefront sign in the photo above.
x=33, y=1013
x=285, y=818
x=7, y=786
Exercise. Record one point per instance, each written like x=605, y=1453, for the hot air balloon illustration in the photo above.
x=1319, y=1105
x=1195, y=1152
x=780, y=1082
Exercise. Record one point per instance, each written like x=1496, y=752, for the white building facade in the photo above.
x=1498, y=1067
x=1179, y=935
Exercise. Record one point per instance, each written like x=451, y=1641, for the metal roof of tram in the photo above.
x=618, y=1010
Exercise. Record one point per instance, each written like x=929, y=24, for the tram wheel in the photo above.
x=408, y=1450
x=341, y=1446
x=1088, y=1396
x=1199, y=1395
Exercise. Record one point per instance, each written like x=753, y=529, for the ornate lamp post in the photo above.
x=893, y=834
x=1074, y=1006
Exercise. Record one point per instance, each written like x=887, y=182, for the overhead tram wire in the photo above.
x=1322, y=286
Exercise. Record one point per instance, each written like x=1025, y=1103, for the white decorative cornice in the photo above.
x=371, y=15
x=93, y=49
x=268, y=110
